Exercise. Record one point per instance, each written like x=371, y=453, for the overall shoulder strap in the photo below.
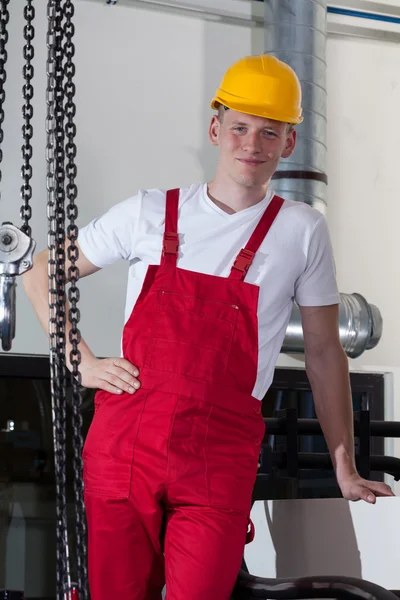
x=246, y=255
x=171, y=241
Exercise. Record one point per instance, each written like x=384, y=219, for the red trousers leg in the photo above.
x=124, y=563
x=203, y=552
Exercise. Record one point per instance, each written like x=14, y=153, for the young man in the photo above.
x=172, y=453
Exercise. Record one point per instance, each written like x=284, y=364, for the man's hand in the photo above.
x=356, y=488
x=114, y=375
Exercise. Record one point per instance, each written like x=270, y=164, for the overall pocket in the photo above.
x=232, y=453
x=109, y=445
x=192, y=336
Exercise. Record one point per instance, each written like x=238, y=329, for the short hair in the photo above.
x=222, y=109
x=221, y=112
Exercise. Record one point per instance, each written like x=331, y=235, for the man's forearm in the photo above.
x=329, y=378
x=36, y=286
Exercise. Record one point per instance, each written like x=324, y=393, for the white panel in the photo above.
x=363, y=132
x=300, y=538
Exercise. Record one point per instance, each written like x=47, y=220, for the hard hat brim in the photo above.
x=263, y=111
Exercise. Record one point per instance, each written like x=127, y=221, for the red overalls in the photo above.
x=169, y=471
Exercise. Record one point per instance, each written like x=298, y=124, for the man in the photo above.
x=171, y=456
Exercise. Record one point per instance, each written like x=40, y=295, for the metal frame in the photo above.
x=371, y=388
x=215, y=14
x=370, y=385
x=28, y=366
x=369, y=6
x=367, y=33
x=208, y=14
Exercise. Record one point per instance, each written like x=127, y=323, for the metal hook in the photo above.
x=16, y=256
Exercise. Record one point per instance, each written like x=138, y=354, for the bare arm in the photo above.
x=327, y=370
x=113, y=374
x=36, y=286
x=328, y=373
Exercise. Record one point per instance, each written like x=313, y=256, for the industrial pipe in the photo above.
x=296, y=33
x=249, y=587
x=360, y=327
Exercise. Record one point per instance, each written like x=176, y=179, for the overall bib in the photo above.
x=169, y=471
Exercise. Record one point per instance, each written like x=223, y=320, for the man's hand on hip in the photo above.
x=114, y=375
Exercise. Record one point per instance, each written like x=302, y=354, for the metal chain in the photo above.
x=4, y=18
x=60, y=279
x=55, y=172
x=73, y=296
x=27, y=113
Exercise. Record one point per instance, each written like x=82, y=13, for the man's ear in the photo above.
x=290, y=144
x=213, y=131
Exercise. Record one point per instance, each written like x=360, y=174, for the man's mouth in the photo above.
x=251, y=161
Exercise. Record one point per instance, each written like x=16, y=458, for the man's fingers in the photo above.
x=360, y=492
x=382, y=489
x=120, y=375
x=366, y=490
x=114, y=375
x=374, y=490
x=368, y=496
x=121, y=378
x=115, y=385
x=126, y=365
x=103, y=384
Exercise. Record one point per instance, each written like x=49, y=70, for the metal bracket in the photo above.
x=16, y=257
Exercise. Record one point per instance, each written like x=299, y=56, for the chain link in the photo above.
x=27, y=114
x=73, y=296
x=56, y=244
x=4, y=18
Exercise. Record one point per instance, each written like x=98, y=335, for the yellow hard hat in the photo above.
x=262, y=86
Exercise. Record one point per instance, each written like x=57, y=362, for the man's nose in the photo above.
x=252, y=142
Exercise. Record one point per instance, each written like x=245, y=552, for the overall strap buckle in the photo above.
x=170, y=243
x=243, y=260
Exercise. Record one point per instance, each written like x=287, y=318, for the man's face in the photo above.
x=250, y=147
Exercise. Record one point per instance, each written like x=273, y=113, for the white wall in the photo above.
x=363, y=169
x=304, y=538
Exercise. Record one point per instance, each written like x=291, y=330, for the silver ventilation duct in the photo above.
x=295, y=32
x=360, y=327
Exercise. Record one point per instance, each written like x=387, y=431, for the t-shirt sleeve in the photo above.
x=317, y=285
x=111, y=237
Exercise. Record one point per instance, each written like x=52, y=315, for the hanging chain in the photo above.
x=56, y=216
x=60, y=279
x=4, y=18
x=73, y=296
x=27, y=113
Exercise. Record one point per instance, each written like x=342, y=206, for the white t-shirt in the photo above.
x=294, y=263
